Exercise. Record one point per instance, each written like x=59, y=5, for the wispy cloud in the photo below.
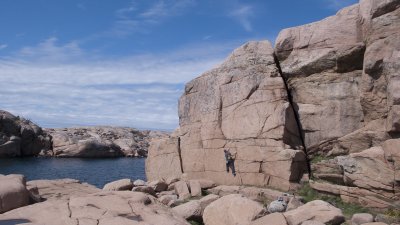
x=339, y=4
x=134, y=18
x=48, y=50
x=243, y=13
x=140, y=91
x=3, y=46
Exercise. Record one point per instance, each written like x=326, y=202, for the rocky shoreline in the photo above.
x=175, y=201
x=21, y=137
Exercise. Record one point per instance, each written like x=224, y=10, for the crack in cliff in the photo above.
x=296, y=115
x=180, y=154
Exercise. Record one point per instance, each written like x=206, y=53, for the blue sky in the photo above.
x=125, y=62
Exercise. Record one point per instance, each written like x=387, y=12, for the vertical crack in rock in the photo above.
x=296, y=115
x=220, y=117
x=180, y=154
x=69, y=210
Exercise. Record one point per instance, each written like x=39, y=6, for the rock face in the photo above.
x=21, y=137
x=329, y=89
x=100, y=142
x=241, y=105
x=13, y=192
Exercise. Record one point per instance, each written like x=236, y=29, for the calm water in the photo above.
x=93, y=171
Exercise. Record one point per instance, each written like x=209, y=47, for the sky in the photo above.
x=70, y=63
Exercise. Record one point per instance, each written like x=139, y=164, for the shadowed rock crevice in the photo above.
x=294, y=108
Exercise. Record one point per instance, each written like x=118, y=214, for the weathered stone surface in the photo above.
x=13, y=192
x=100, y=142
x=119, y=185
x=312, y=222
x=253, y=193
x=361, y=218
x=322, y=63
x=375, y=223
x=270, y=219
x=61, y=189
x=21, y=137
x=294, y=203
x=195, y=188
x=139, y=183
x=158, y=185
x=342, y=74
x=182, y=190
x=165, y=199
x=277, y=206
x=232, y=210
x=241, y=105
x=316, y=210
x=205, y=201
x=122, y=207
x=163, y=161
x=144, y=189
x=190, y=210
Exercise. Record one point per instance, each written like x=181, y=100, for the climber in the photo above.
x=230, y=161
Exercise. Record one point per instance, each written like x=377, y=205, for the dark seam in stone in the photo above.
x=296, y=116
x=180, y=154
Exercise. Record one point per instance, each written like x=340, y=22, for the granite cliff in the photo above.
x=325, y=101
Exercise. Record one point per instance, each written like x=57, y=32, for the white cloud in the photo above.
x=3, y=46
x=135, y=19
x=242, y=14
x=48, y=50
x=139, y=91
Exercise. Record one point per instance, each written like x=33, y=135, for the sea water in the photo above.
x=93, y=171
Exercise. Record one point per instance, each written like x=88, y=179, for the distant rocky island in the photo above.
x=313, y=123
x=22, y=137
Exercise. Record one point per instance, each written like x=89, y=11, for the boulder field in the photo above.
x=171, y=202
x=324, y=102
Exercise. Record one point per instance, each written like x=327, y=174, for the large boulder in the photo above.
x=182, y=190
x=122, y=207
x=13, y=192
x=270, y=219
x=119, y=185
x=190, y=210
x=232, y=210
x=316, y=210
x=162, y=152
x=361, y=218
x=21, y=137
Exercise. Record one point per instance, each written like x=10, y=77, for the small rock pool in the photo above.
x=93, y=171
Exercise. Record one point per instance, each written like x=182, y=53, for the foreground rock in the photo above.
x=21, y=137
x=119, y=185
x=100, y=142
x=61, y=189
x=102, y=208
x=316, y=210
x=13, y=192
x=232, y=209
